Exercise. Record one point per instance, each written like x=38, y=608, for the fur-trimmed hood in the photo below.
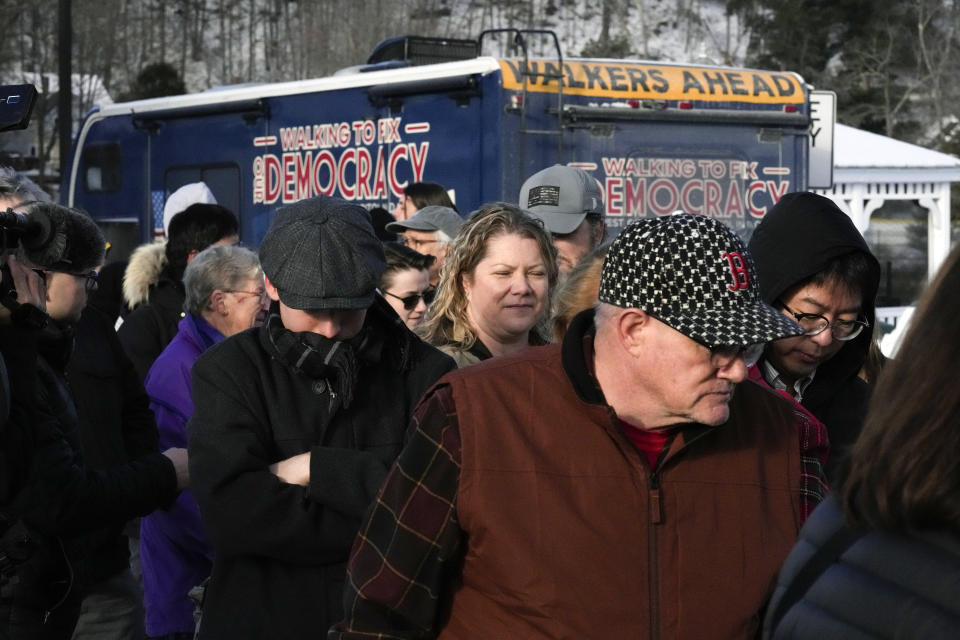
x=143, y=271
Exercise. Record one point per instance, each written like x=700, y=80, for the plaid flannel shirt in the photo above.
x=401, y=559
x=814, y=449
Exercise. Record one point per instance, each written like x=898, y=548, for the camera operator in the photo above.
x=59, y=502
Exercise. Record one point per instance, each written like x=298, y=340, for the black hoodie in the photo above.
x=797, y=238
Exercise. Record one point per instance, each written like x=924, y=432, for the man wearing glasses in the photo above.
x=92, y=455
x=651, y=492
x=429, y=231
x=817, y=269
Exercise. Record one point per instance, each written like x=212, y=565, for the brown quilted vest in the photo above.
x=571, y=536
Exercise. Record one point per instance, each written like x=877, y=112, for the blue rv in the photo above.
x=721, y=141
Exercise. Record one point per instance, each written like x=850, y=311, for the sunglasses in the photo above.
x=410, y=302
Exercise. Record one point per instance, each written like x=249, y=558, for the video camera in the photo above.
x=32, y=233
x=16, y=104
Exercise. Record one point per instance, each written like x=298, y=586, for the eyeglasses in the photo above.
x=415, y=244
x=723, y=355
x=814, y=324
x=410, y=302
x=90, y=277
x=260, y=293
x=91, y=280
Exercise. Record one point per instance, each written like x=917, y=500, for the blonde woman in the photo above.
x=495, y=287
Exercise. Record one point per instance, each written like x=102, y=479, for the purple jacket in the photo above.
x=175, y=554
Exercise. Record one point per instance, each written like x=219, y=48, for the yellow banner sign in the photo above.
x=638, y=81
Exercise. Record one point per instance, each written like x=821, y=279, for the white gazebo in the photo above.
x=870, y=169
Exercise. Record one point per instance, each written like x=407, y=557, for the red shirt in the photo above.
x=650, y=443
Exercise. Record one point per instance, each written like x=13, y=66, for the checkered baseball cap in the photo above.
x=695, y=275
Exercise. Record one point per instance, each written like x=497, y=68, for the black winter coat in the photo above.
x=148, y=329
x=795, y=240
x=116, y=424
x=281, y=549
x=61, y=502
x=884, y=585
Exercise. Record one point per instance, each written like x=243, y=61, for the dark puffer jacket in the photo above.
x=795, y=240
x=281, y=549
x=61, y=502
x=884, y=585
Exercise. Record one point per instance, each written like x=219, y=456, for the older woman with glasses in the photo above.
x=224, y=295
x=405, y=283
x=495, y=287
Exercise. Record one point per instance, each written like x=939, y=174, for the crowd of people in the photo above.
x=491, y=425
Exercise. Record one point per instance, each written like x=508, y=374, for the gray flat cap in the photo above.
x=321, y=253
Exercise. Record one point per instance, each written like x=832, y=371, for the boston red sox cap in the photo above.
x=695, y=275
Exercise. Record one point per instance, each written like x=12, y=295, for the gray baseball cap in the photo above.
x=562, y=197
x=430, y=218
x=321, y=253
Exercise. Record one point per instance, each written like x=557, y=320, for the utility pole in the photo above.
x=65, y=93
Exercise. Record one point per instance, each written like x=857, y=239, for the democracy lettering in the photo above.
x=716, y=188
x=338, y=159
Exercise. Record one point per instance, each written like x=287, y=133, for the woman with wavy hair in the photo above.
x=495, y=286
x=882, y=560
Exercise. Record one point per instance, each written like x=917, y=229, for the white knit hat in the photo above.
x=188, y=194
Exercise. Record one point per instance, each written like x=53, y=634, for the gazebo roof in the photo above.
x=861, y=156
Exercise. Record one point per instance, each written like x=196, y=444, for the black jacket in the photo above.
x=149, y=328
x=60, y=501
x=795, y=240
x=116, y=423
x=884, y=585
x=281, y=549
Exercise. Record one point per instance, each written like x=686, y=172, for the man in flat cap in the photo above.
x=649, y=492
x=297, y=422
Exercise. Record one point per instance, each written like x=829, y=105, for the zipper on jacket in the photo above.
x=653, y=552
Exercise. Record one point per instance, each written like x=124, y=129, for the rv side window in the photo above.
x=102, y=167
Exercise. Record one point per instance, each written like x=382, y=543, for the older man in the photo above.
x=623, y=483
x=569, y=202
x=429, y=231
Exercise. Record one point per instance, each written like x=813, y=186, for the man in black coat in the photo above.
x=60, y=501
x=296, y=423
x=816, y=268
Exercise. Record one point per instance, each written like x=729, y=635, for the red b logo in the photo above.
x=738, y=270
